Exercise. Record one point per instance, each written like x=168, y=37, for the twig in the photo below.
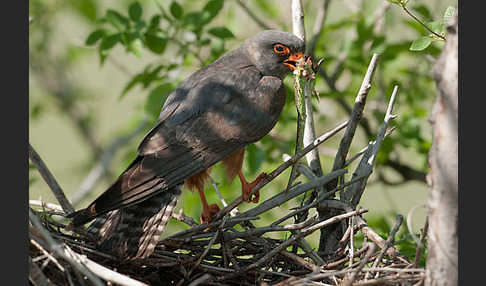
x=101, y=168
x=201, y=279
x=36, y=276
x=46, y=205
x=47, y=254
x=403, y=5
x=60, y=249
x=365, y=167
x=185, y=219
x=252, y=15
x=80, y=262
x=304, y=233
x=378, y=240
x=292, y=193
x=371, y=250
x=318, y=26
x=356, y=114
x=389, y=242
x=282, y=168
x=420, y=245
x=50, y=180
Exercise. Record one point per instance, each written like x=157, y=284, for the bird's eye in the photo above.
x=280, y=49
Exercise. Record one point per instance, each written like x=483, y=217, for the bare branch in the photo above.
x=282, y=168
x=50, y=180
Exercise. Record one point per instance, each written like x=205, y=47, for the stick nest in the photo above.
x=224, y=256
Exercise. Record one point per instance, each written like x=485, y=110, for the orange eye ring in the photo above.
x=281, y=50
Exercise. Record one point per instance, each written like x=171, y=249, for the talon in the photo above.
x=207, y=214
x=246, y=188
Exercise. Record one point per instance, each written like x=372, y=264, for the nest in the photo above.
x=221, y=255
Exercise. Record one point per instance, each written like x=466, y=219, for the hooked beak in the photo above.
x=291, y=61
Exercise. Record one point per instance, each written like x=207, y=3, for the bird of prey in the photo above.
x=210, y=117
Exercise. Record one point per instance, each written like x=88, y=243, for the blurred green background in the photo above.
x=81, y=99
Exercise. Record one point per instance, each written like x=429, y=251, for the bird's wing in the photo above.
x=205, y=122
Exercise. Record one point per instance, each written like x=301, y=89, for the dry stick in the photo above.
x=321, y=203
x=284, y=196
x=418, y=251
x=47, y=254
x=356, y=115
x=366, y=164
x=201, y=280
x=318, y=26
x=60, y=249
x=392, y=252
x=304, y=233
x=303, y=93
x=101, y=168
x=371, y=250
x=80, y=262
x=50, y=180
x=282, y=168
x=389, y=242
x=205, y=252
x=36, y=276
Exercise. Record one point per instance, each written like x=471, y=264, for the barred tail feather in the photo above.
x=133, y=232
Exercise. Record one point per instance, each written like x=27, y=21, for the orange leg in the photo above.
x=246, y=187
x=208, y=210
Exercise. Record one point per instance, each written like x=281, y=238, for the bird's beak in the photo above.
x=291, y=61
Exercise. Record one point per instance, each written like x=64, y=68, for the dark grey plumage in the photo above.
x=215, y=112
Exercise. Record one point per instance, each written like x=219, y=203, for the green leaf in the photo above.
x=176, y=10
x=155, y=42
x=449, y=12
x=87, y=8
x=107, y=44
x=397, y=2
x=210, y=10
x=95, y=36
x=135, y=11
x=221, y=32
x=118, y=21
x=421, y=43
x=437, y=27
x=213, y=7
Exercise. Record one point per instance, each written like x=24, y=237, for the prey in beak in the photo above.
x=292, y=60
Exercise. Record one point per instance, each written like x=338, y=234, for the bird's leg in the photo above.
x=208, y=210
x=246, y=187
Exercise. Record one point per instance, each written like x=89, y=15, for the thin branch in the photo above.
x=36, y=276
x=356, y=114
x=318, y=26
x=389, y=242
x=371, y=250
x=420, y=21
x=282, y=168
x=365, y=167
x=101, y=168
x=420, y=246
x=252, y=15
x=80, y=262
x=50, y=180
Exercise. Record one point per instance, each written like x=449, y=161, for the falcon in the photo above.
x=210, y=117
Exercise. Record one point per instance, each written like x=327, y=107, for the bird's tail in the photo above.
x=133, y=232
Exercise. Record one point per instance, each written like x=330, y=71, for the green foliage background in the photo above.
x=99, y=69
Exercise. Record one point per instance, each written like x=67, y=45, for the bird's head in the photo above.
x=274, y=52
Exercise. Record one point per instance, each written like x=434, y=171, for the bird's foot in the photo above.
x=246, y=189
x=209, y=212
